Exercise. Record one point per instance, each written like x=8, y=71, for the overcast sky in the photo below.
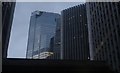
x=19, y=34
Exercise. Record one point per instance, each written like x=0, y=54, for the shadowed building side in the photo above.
x=56, y=41
x=74, y=33
x=7, y=18
x=104, y=32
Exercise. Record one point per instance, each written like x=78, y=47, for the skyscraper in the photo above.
x=42, y=29
x=104, y=32
x=74, y=44
x=7, y=18
x=57, y=39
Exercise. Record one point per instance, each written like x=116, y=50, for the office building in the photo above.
x=57, y=40
x=104, y=32
x=41, y=31
x=7, y=18
x=74, y=33
x=51, y=49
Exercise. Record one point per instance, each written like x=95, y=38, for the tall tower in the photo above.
x=104, y=32
x=74, y=44
x=57, y=39
x=7, y=18
x=41, y=30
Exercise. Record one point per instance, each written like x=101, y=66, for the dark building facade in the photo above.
x=104, y=32
x=51, y=44
x=57, y=39
x=74, y=33
x=7, y=18
x=41, y=33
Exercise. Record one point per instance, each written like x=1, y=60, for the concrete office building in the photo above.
x=42, y=29
x=74, y=43
x=104, y=32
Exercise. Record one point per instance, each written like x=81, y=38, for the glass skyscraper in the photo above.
x=56, y=41
x=57, y=44
x=41, y=31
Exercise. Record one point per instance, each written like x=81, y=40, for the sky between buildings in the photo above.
x=19, y=33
